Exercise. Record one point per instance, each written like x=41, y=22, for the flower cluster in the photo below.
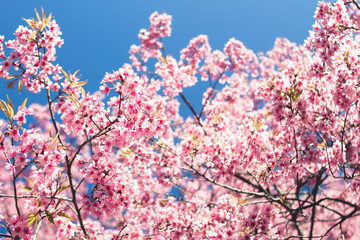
x=272, y=153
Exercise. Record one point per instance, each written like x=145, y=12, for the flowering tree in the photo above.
x=273, y=153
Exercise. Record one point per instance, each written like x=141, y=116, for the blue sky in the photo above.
x=98, y=34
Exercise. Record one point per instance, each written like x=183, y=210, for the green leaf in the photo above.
x=61, y=214
x=27, y=188
x=297, y=95
x=58, y=203
x=291, y=91
x=278, y=92
x=64, y=188
x=29, y=180
x=50, y=217
x=31, y=219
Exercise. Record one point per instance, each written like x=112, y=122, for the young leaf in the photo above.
x=322, y=144
x=27, y=188
x=37, y=15
x=58, y=203
x=297, y=95
x=259, y=126
x=31, y=219
x=42, y=12
x=24, y=103
x=83, y=93
x=161, y=59
x=30, y=22
x=346, y=56
x=50, y=217
x=53, y=140
x=61, y=214
x=283, y=199
x=10, y=76
x=20, y=85
x=10, y=84
x=164, y=202
x=9, y=101
x=9, y=109
x=75, y=73
x=64, y=188
x=29, y=180
x=48, y=19
x=278, y=92
x=255, y=121
x=45, y=21
x=66, y=76
x=33, y=34
x=2, y=107
x=81, y=83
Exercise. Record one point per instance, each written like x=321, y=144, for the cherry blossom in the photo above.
x=273, y=153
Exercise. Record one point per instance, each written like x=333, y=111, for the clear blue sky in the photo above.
x=98, y=34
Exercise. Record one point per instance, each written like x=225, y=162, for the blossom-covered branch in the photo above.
x=272, y=154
